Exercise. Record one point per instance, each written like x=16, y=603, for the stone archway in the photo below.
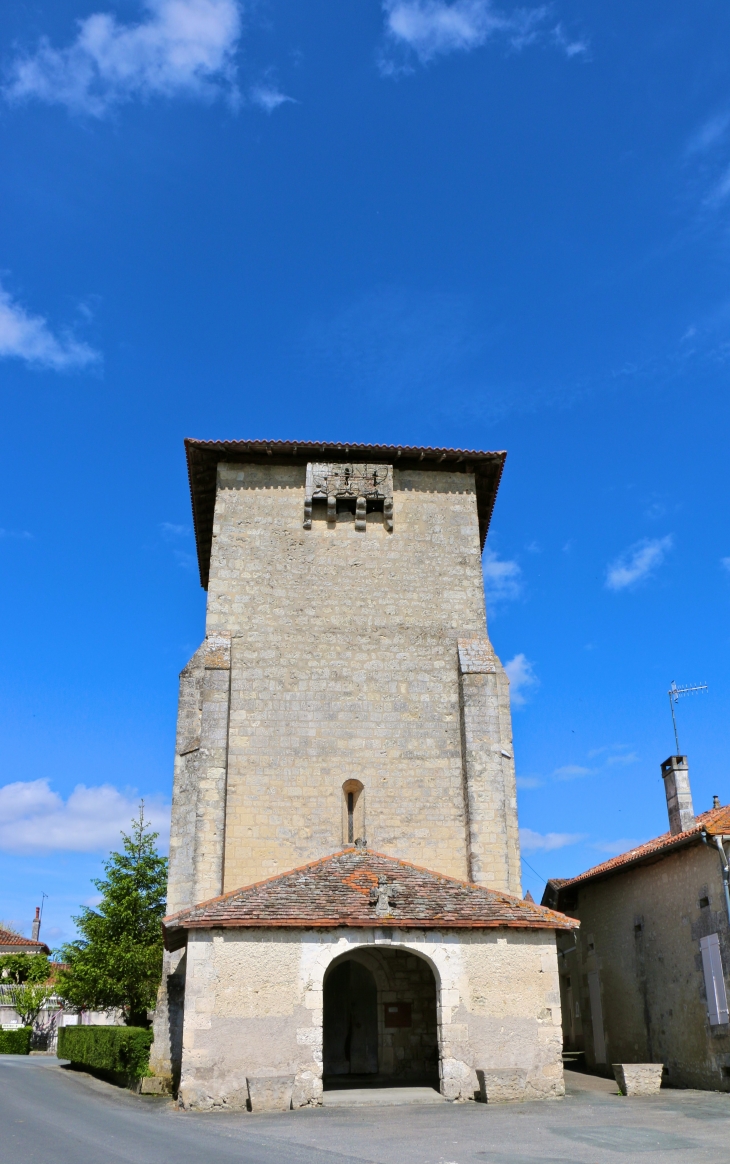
x=380, y=1020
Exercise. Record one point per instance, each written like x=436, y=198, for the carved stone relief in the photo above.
x=361, y=483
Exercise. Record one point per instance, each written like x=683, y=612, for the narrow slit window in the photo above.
x=351, y=817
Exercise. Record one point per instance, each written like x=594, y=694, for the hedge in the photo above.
x=15, y=1040
x=118, y=1053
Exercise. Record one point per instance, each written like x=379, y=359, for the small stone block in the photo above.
x=501, y=1084
x=270, y=1092
x=156, y=1085
x=638, y=1078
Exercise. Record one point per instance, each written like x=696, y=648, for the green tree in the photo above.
x=18, y=968
x=28, y=1000
x=117, y=961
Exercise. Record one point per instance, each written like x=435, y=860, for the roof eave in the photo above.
x=204, y=456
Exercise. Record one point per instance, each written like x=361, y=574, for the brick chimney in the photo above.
x=36, y=924
x=679, y=794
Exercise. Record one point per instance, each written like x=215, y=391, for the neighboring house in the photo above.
x=53, y=1014
x=645, y=978
x=348, y=699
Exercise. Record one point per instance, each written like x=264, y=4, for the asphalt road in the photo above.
x=49, y=1115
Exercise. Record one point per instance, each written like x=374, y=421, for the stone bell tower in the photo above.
x=347, y=688
x=346, y=692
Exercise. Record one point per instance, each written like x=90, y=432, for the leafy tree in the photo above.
x=28, y=999
x=18, y=968
x=117, y=961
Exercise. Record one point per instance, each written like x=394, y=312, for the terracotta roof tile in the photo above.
x=716, y=822
x=25, y=945
x=338, y=891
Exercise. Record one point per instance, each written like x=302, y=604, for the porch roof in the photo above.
x=361, y=888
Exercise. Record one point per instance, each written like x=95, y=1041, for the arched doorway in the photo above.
x=380, y=1027
x=350, y=1021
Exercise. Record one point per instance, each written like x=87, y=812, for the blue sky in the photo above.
x=410, y=221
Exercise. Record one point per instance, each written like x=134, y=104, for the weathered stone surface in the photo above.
x=254, y=1005
x=156, y=1085
x=270, y=1092
x=501, y=1084
x=638, y=1078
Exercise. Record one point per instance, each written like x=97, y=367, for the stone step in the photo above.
x=380, y=1096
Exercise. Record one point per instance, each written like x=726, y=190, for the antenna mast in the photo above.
x=674, y=694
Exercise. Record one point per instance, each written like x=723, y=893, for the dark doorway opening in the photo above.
x=350, y=1022
x=379, y=1021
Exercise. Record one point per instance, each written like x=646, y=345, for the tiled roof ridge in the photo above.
x=300, y=898
x=662, y=843
x=331, y=857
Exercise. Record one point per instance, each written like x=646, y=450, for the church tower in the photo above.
x=346, y=698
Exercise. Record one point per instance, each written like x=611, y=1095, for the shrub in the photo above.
x=15, y=1041
x=119, y=1053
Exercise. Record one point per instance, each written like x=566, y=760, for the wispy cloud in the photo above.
x=178, y=48
x=613, y=848
x=20, y=535
x=725, y=563
x=426, y=29
x=710, y=134
x=173, y=533
x=170, y=531
x=502, y=578
x=35, y=819
x=529, y=782
x=28, y=337
x=638, y=562
x=268, y=96
x=521, y=678
x=532, y=842
x=572, y=772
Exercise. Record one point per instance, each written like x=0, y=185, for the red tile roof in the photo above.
x=716, y=822
x=338, y=891
x=203, y=458
x=24, y=945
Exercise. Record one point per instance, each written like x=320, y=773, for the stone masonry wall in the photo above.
x=254, y=997
x=344, y=665
x=640, y=932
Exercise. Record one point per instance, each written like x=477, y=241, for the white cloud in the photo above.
x=502, y=577
x=21, y=535
x=638, y=562
x=709, y=134
x=521, y=676
x=35, y=819
x=572, y=772
x=529, y=782
x=431, y=28
x=170, y=530
x=613, y=848
x=533, y=842
x=268, y=97
x=725, y=562
x=28, y=337
x=180, y=47
x=623, y=758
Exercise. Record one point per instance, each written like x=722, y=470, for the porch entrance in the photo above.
x=380, y=1021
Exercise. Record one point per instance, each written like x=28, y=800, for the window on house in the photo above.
x=717, y=1009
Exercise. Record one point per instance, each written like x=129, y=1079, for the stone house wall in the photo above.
x=640, y=933
x=254, y=998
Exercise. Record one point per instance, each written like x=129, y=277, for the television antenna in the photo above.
x=674, y=694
